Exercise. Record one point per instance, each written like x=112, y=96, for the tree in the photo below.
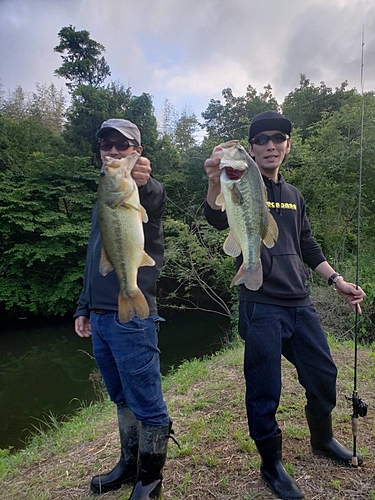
x=141, y=112
x=20, y=139
x=47, y=104
x=186, y=128
x=82, y=63
x=328, y=177
x=304, y=105
x=231, y=120
x=44, y=226
x=169, y=118
x=89, y=108
x=16, y=105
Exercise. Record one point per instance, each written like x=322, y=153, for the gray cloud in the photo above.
x=188, y=51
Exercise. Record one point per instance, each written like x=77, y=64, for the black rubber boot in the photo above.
x=323, y=443
x=126, y=469
x=153, y=444
x=272, y=469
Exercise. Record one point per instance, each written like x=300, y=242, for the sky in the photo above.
x=188, y=51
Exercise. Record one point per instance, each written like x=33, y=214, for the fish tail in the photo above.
x=252, y=277
x=128, y=307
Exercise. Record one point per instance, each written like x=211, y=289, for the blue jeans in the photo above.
x=127, y=356
x=296, y=333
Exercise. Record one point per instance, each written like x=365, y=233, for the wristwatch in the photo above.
x=332, y=279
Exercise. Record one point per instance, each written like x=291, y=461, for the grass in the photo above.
x=217, y=459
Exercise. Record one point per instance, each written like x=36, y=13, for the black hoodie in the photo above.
x=101, y=292
x=284, y=272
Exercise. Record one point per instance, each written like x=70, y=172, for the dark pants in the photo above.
x=295, y=332
x=127, y=355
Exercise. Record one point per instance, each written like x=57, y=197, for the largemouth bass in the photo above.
x=120, y=217
x=244, y=198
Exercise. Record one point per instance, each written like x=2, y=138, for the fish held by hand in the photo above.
x=244, y=198
x=121, y=217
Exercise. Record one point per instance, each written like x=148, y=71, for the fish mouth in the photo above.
x=233, y=173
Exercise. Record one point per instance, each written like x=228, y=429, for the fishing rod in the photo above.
x=359, y=406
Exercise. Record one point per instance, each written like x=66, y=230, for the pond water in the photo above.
x=45, y=367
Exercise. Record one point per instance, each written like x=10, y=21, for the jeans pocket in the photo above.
x=144, y=376
x=136, y=325
x=157, y=320
x=246, y=313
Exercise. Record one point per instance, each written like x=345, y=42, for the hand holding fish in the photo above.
x=212, y=164
x=141, y=171
x=213, y=171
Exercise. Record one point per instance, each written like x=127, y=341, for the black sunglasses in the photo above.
x=121, y=145
x=263, y=139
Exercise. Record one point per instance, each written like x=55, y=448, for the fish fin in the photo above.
x=231, y=247
x=220, y=201
x=147, y=260
x=128, y=307
x=252, y=278
x=272, y=234
x=105, y=265
x=126, y=204
x=144, y=214
x=236, y=196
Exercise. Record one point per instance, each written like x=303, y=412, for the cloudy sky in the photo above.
x=190, y=50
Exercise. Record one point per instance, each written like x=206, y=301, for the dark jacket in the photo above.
x=101, y=292
x=284, y=272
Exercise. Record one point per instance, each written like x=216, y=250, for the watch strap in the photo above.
x=332, y=279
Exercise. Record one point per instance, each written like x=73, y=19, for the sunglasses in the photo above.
x=105, y=145
x=263, y=139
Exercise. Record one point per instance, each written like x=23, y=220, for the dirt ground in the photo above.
x=217, y=461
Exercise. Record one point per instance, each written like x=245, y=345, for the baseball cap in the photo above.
x=125, y=127
x=269, y=120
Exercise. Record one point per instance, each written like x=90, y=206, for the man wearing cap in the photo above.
x=279, y=318
x=127, y=354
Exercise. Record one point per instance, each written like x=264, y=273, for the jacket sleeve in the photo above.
x=84, y=301
x=83, y=306
x=216, y=218
x=153, y=198
x=312, y=253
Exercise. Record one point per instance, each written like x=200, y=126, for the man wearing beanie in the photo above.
x=127, y=354
x=279, y=318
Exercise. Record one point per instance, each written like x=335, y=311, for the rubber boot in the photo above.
x=272, y=469
x=153, y=443
x=126, y=469
x=323, y=443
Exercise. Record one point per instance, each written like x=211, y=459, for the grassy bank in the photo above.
x=217, y=460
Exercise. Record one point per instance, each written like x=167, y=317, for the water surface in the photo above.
x=45, y=367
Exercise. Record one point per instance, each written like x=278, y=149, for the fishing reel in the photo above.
x=359, y=406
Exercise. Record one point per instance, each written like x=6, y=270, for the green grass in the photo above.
x=56, y=436
x=216, y=455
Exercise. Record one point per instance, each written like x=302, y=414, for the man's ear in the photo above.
x=139, y=149
x=251, y=151
x=288, y=146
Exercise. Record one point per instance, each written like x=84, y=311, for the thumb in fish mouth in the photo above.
x=217, y=152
